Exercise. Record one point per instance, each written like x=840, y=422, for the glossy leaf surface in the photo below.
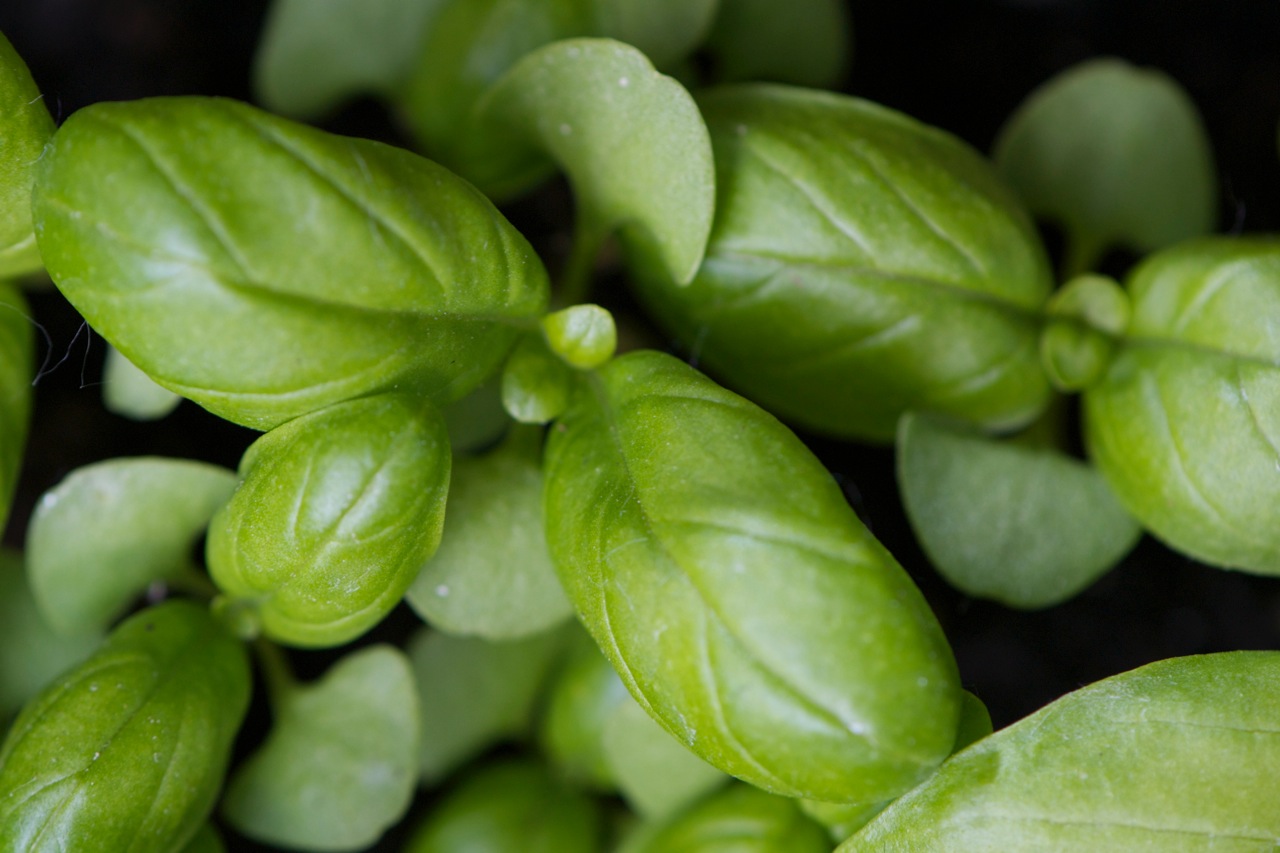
x=492, y=575
x=861, y=265
x=739, y=819
x=127, y=751
x=1116, y=155
x=803, y=42
x=1028, y=527
x=107, y=531
x=1185, y=424
x=340, y=763
x=129, y=392
x=515, y=807
x=335, y=514
x=474, y=693
x=719, y=567
x=1179, y=755
x=265, y=269
x=15, y=390
x=25, y=127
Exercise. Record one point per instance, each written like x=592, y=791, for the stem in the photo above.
x=1080, y=256
x=275, y=671
x=575, y=278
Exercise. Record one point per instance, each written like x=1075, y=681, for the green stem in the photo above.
x=275, y=671
x=1081, y=255
x=576, y=277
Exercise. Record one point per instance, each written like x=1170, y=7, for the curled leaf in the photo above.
x=1079, y=340
x=25, y=127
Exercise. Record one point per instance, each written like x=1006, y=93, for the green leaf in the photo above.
x=975, y=722
x=15, y=388
x=335, y=514
x=806, y=43
x=1028, y=527
x=630, y=139
x=746, y=608
x=474, y=693
x=492, y=575
x=31, y=653
x=265, y=269
x=666, y=31
x=581, y=699
x=861, y=265
x=1178, y=755
x=25, y=127
x=128, y=750
x=478, y=420
x=205, y=841
x=739, y=819
x=583, y=335
x=1116, y=155
x=1185, y=424
x=1085, y=318
x=128, y=391
x=536, y=385
x=340, y=763
x=107, y=531
x=313, y=56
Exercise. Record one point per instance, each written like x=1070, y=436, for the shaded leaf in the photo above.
x=581, y=698
x=205, y=841
x=25, y=127
x=806, y=43
x=15, y=388
x=536, y=385
x=128, y=391
x=739, y=819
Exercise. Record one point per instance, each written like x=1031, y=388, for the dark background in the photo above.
x=963, y=66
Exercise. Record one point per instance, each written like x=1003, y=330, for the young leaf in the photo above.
x=340, y=763
x=1028, y=527
x=265, y=269
x=25, y=127
x=582, y=697
x=536, y=385
x=474, y=693
x=335, y=514
x=129, y=392
x=492, y=575
x=127, y=751
x=1152, y=759
x=719, y=567
x=739, y=819
x=861, y=265
x=1116, y=155
x=803, y=42
x=1185, y=424
x=583, y=335
x=1086, y=317
x=15, y=389
x=107, y=531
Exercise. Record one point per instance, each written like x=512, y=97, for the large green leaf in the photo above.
x=1028, y=527
x=1116, y=155
x=340, y=764
x=740, y=819
x=127, y=751
x=265, y=269
x=861, y=265
x=107, y=531
x=1180, y=755
x=803, y=42
x=1185, y=424
x=718, y=565
x=25, y=127
x=335, y=514
x=15, y=390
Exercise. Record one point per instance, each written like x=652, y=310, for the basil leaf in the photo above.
x=1116, y=155
x=719, y=567
x=1185, y=424
x=26, y=126
x=15, y=390
x=581, y=699
x=265, y=269
x=205, y=841
x=515, y=807
x=335, y=514
x=340, y=763
x=492, y=574
x=474, y=693
x=1028, y=527
x=128, y=391
x=107, y=531
x=1152, y=759
x=536, y=384
x=806, y=43
x=666, y=31
x=31, y=653
x=478, y=420
x=127, y=751
x=739, y=819
x=861, y=265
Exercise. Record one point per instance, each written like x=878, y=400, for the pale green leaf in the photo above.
x=25, y=127
x=128, y=391
x=340, y=763
x=804, y=42
x=582, y=696
x=536, y=385
x=739, y=819
x=15, y=390
x=583, y=335
x=107, y=531
x=666, y=31
x=1028, y=527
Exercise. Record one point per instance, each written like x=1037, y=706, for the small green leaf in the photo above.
x=746, y=608
x=492, y=575
x=739, y=819
x=536, y=385
x=127, y=751
x=861, y=265
x=25, y=125
x=15, y=389
x=1027, y=527
x=1185, y=425
x=107, y=531
x=265, y=269
x=340, y=763
x=803, y=42
x=335, y=514
x=1079, y=341
x=583, y=335
x=128, y=391
x=474, y=693
x=975, y=721
x=1178, y=755
x=1116, y=155
x=582, y=697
